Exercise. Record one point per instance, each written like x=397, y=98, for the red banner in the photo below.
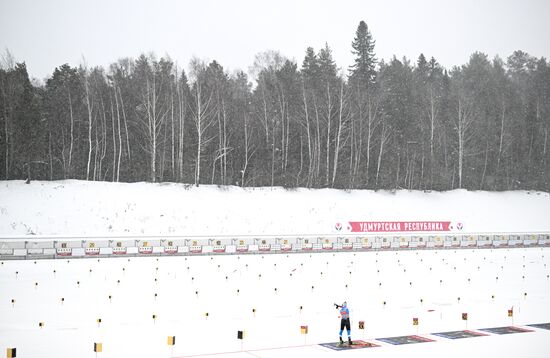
x=399, y=226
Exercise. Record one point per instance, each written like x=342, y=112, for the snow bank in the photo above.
x=81, y=208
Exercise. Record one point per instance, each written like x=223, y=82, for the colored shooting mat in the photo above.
x=540, y=325
x=405, y=340
x=506, y=330
x=343, y=347
x=459, y=334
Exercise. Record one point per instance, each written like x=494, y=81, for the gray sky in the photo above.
x=47, y=33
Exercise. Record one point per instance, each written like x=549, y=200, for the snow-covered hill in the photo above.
x=81, y=208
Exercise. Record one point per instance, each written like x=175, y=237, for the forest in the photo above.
x=379, y=124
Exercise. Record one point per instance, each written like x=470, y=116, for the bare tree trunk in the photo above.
x=225, y=148
x=218, y=155
x=172, y=135
x=352, y=159
x=198, y=123
x=317, y=142
x=421, y=183
x=463, y=124
x=63, y=159
x=7, y=136
x=72, y=132
x=273, y=153
x=153, y=127
x=359, y=143
x=114, y=141
x=545, y=144
x=460, y=146
x=433, y=117
x=372, y=123
x=89, y=106
x=163, y=161
x=397, y=170
x=453, y=177
x=484, y=165
x=309, y=147
x=248, y=152
x=103, y=141
x=301, y=159
x=445, y=156
x=282, y=107
x=50, y=154
x=265, y=120
x=202, y=123
x=96, y=152
x=181, y=126
x=339, y=134
x=119, y=136
x=384, y=135
x=502, y=116
x=155, y=103
x=181, y=134
x=287, y=141
x=329, y=115
x=125, y=124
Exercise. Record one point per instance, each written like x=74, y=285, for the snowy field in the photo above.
x=79, y=208
x=205, y=300
x=262, y=296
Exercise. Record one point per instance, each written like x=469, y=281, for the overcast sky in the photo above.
x=47, y=33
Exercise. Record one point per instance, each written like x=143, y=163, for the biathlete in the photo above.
x=344, y=323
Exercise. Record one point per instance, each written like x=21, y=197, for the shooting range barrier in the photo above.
x=79, y=247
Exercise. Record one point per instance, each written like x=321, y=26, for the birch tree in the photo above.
x=201, y=111
x=153, y=105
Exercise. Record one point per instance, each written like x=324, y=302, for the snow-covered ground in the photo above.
x=262, y=294
x=101, y=209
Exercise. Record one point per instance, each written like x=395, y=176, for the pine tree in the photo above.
x=310, y=67
x=362, y=72
x=28, y=134
x=327, y=66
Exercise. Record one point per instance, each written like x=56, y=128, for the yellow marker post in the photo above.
x=304, y=331
x=511, y=314
x=415, y=323
x=171, y=342
x=98, y=348
x=465, y=319
x=11, y=353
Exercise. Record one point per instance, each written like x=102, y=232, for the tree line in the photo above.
x=379, y=125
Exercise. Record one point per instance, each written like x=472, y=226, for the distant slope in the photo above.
x=98, y=208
